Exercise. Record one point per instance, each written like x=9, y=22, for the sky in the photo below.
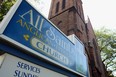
x=102, y=13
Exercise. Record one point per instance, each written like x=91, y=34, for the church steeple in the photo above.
x=68, y=16
x=59, y=6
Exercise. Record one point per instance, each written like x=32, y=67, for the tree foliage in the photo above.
x=107, y=43
x=5, y=6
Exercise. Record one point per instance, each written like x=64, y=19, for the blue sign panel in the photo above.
x=29, y=28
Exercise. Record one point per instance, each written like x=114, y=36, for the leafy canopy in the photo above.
x=5, y=6
x=107, y=43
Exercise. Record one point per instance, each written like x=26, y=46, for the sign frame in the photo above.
x=4, y=24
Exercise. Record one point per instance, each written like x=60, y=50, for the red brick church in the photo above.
x=68, y=16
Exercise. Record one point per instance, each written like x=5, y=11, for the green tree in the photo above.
x=5, y=6
x=107, y=43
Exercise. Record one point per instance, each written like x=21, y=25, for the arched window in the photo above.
x=57, y=7
x=63, y=4
x=59, y=24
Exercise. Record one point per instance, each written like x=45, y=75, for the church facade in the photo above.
x=68, y=16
